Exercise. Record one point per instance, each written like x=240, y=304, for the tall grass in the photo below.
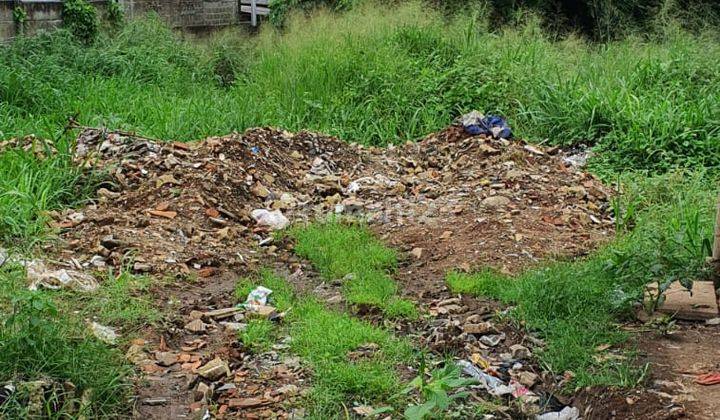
x=377, y=77
x=30, y=186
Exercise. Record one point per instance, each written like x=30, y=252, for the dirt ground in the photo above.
x=448, y=202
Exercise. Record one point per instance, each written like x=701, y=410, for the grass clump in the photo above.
x=326, y=340
x=120, y=301
x=576, y=306
x=259, y=335
x=281, y=297
x=32, y=185
x=38, y=342
x=349, y=251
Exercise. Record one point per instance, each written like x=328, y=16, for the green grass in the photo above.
x=39, y=342
x=376, y=77
x=577, y=305
x=324, y=338
x=31, y=186
x=259, y=335
x=122, y=301
x=349, y=251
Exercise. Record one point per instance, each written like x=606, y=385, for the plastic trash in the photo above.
x=567, y=413
x=275, y=220
x=103, y=333
x=40, y=275
x=493, y=385
x=476, y=123
x=258, y=296
x=492, y=340
x=3, y=256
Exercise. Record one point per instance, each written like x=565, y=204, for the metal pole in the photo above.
x=253, y=12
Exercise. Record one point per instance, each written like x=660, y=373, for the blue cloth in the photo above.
x=491, y=125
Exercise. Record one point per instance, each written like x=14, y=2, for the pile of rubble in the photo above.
x=195, y=207
x=452, y=200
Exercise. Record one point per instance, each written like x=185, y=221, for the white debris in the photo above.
x=567, y=413
x=39, y=275
x=273, y=219
x=103, y=333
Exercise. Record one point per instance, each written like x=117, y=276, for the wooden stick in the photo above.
x=716, y=245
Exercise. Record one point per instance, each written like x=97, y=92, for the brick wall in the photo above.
x=192, y=15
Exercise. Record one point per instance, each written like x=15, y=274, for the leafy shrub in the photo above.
x=80, y=17
x=114, y=13
x=20, y=17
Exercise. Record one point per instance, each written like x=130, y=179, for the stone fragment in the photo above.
x=214, y=369
x=222, y=313
x=202, y=391
x=479, y=328
x=519, y=352
x=195, y=326
x=166, y=358
x=260, y=190
x=247, y=402
x=416, y=253
x=496, y=201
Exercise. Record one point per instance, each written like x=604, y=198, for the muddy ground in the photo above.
x=449, y=202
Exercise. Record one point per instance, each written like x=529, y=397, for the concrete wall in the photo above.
x=192, y=15
x=187, y=14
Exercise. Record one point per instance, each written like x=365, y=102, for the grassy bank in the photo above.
x=577, y=306
x=43, y=337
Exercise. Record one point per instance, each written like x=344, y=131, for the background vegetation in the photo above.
x=377, y=77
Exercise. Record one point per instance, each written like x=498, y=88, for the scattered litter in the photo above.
x=40, y=275
x=567, y=413
x=712, y=321
x=492, y=340
x=476, y=123
x=273, y=219
x=493, y=385
x=3, y=256
x=258, y=296
x=103, y=333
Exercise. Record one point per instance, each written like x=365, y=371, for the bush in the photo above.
x=80, y=17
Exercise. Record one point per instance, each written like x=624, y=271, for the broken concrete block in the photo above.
x=700, y=305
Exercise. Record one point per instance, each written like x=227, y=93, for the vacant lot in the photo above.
x=416, y=269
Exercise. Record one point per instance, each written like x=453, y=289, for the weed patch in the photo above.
x=120, y=301
x=576, y=306
x=30, y=186
x=326, y=339
x=37, y=343
x=259, y=336
x=349, y=251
